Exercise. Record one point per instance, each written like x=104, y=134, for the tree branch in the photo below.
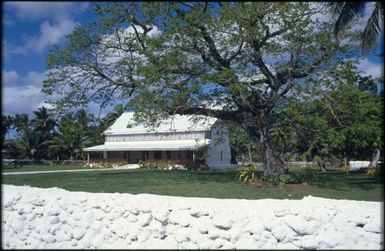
x=212, y=48
x=220, y=114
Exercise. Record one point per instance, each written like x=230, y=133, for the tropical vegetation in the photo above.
x=285, y=86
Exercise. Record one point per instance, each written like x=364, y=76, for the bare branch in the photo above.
x=212, y=48
x=221, y=114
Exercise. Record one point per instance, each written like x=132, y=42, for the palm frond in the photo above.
x=374, y=28
x=348, y=12
x=335, y=7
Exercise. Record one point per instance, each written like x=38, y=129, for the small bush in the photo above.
x=344, y=168
x=290, y=178
x=191, y=166
x=247, y=174
x=374, y=171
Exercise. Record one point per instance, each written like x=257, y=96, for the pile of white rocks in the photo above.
x=54, y=218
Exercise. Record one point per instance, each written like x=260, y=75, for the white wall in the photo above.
x=219, y=143
x=35, y=218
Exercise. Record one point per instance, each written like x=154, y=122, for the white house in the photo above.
x=179, y=140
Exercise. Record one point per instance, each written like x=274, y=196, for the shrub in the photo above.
x=344, y=168
x=247, y=174
x=290, y=178
x=191, y=166
x=374, y=171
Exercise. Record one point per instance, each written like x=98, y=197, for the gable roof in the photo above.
x=179, y=123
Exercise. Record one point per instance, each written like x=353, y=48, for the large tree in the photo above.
x=343, y=118
x=232, y=61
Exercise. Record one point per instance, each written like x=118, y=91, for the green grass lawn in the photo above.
x=213, y=184
x=28, y=168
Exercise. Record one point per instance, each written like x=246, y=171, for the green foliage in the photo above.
x=196, y=166
x=187, y=60
x=247, y=174
x=342, y=118
x=240, y=142
x=344, y=168
x=374, y=171
x=73, y=135
x=346, y=13
x=289, y=178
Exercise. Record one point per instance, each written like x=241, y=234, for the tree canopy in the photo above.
x=233, y=60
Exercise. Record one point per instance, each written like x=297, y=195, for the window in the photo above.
x=168, y=155
x=221, y=155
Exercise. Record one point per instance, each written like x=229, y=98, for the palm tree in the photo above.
x=69, y=143
x=43, y=125
x=71, y=138
x=29, y=144
x=7, y=123
x=347, y=11
x=43, y=120
x=20, y=121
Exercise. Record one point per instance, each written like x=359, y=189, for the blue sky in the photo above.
x=31, y=28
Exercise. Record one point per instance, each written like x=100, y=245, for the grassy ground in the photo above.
x=213, y=184
x=27, y=168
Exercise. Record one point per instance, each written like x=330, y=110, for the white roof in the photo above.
x=150, y=145
x=178, y=123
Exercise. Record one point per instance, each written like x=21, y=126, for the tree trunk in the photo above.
x=321, y=164
x=346, y=160
x=250, y=160
x=272, y=163
x=375, y=158
x=258, y=130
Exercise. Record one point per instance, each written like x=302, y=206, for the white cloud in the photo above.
x=21, y=99
x=35, y=78
x=370, y=68
x=22, y=94
x=50, y=34
x=58, y=20
x=46, y=105
x=33, y=11
x=10, y=77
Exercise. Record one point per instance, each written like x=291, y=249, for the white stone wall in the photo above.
x=219, y=145
x=356, y=165
x=53, y=218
